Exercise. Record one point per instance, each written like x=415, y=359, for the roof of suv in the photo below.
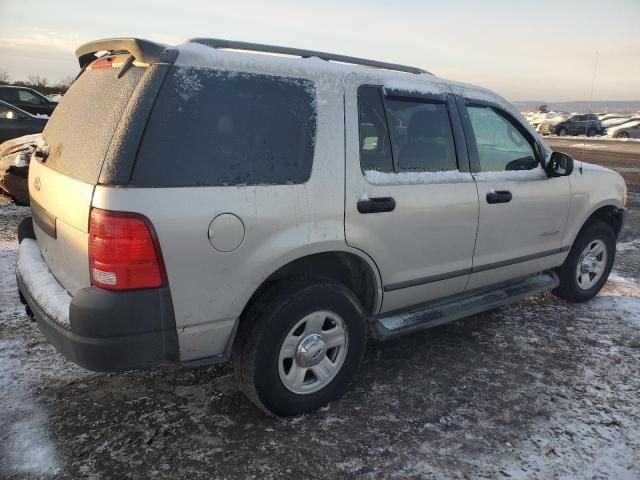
x=151, y=52
x=259, y=58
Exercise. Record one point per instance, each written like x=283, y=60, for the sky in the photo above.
x=522, y=49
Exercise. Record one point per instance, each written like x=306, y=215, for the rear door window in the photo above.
x=26, y=96
x=421, y=136
x=399, y=135
x=375, y=144
x=211, y=128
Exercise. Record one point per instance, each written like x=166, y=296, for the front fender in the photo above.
x=592, y=188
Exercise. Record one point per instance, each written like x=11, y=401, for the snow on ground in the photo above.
x=540, y=389
x=602, y=138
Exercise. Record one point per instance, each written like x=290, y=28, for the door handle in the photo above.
x=376, y=205
x=500, y=196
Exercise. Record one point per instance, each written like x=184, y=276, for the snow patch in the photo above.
x=188, y=83
x=603, y=138
x=416, y=178
x=626, y=246
x=27, y=447
x=43, y=286
x=415, y=87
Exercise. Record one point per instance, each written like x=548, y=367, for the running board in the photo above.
x=460, y=306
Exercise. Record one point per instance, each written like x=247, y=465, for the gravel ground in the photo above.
x=540, y=389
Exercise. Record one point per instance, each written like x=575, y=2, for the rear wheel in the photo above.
x=588, y=264
x=299, y=347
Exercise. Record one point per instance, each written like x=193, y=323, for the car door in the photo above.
x=581, y=126
x=13, y=123
x=523, y=212
x=410, y=201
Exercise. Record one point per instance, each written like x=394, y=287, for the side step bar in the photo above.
x=459, y=306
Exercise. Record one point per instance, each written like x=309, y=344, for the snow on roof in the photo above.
x=195, y=54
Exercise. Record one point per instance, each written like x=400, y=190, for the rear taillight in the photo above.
x=123, y=251
x=106, y=62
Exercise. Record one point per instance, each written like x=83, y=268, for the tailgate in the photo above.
x=83, y=130
x=60, y=209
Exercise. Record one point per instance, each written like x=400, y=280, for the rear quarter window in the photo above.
x=212, y=128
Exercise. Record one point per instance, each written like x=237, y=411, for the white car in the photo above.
x=196, y=203
x=629, y=129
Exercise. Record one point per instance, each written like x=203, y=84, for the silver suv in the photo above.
x=209, y=201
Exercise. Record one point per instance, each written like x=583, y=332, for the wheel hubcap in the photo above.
x=592, y=264
x=313, y=352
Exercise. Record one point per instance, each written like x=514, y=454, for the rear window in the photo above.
x=81, y=128
x=210, y=127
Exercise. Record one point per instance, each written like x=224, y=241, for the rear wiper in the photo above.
x=126, y=66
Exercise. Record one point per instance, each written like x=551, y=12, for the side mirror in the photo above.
x=560, y=165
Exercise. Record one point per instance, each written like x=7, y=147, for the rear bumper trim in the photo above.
x=43, y=287
x=100, y=330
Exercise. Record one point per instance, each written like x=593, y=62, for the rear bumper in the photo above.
x=97, y=329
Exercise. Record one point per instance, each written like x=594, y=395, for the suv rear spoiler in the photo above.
x=142, y=50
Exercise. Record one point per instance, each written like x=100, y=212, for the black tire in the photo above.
x=591, y=132
x=622, y=135
x=562, y=132
x=569, y=288
x=266, y=324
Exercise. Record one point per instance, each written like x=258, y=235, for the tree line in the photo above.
x=39, y=83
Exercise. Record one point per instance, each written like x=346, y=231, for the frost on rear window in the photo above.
x=212, y=127
x=188, y=83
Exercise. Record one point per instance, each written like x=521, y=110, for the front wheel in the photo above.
x=587, y=267
x=562, y=132
x=622, y=135
x=591, y=132
x=299, y=346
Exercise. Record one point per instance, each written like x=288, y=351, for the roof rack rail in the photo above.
x=258, y=47
x=142, y=50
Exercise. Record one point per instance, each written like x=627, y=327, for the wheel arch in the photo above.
x=354, y=269
x=609, y=214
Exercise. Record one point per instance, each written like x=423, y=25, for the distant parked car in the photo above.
x=14, y=167
x=626, y=130
x=609, y=116
x=15, y=122
x=27, y=99
x=576, y=125
x=614, y=122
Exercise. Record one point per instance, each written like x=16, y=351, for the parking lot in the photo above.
x=538, y=389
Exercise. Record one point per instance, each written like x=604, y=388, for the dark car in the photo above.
x=584, y=124
x=15, y=156
x=16, y=123
x=27, y=99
